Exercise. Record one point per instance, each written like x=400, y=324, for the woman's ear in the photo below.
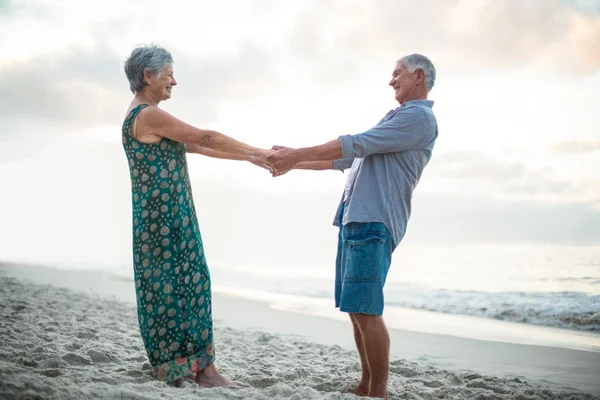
x=147, y=77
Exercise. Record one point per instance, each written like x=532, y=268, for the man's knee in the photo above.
x=363, y=319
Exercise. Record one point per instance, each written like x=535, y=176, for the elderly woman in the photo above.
x=171, y=274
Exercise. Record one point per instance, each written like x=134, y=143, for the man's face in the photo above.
x=403, y=82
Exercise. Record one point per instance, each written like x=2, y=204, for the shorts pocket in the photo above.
x=364, y=258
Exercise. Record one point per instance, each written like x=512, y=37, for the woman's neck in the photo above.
x=146, y=98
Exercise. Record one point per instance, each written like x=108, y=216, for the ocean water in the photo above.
x=545, y=285
x=556, y=286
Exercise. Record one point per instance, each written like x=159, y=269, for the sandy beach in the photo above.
x=74, y=335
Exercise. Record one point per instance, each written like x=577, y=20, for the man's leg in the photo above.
x=364, y=260
x=363, y=387
x=376, y=341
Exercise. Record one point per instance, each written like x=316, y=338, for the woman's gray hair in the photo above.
x=413, y=62
x=145, y=57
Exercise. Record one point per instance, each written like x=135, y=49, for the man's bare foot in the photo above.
x=378, y=396
x=209, y=377
x=361, y=390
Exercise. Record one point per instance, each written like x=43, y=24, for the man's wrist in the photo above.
x=303, y=154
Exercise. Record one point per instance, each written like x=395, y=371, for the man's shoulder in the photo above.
x=414, y=111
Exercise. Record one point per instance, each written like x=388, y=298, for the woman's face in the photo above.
x=161, y=84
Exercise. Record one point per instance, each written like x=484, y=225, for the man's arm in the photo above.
x=288, y=158
x=343, y=164
x=402, y=132
x=406, y=130
x=314, y=165
x=307, y=165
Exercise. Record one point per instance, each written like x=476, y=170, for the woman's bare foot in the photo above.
x=209, y=377
x=360, y=390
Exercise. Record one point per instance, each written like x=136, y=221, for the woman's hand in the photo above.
x=261, y=160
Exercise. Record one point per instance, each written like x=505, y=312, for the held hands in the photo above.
x=284, y=160
x=277, y=161
x=261, y=160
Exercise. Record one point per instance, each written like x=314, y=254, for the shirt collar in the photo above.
x=391, y=113
x=428, y=103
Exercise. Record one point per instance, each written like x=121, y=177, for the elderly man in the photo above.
x=385, y=164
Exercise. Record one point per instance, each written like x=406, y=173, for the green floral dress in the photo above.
x=171, y=275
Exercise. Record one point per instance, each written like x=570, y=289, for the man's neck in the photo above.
x=419, y=94
x=414, y=99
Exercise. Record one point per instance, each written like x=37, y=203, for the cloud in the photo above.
x=484, y=219
x=477, y=166
x=6, y=6
x=25, y=8
x=205, y=81
x=478, y=172
x=335, y=40
x=515, y=33
x=329, y=42
x=455, y=34
x=585, y=6
x=541, y=183
x=77, y=87
x=86, y=87
x=576, y=147
x=583, y=38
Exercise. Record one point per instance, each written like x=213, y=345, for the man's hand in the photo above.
x=283, y=161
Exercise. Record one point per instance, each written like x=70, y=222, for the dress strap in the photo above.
x=131, y=117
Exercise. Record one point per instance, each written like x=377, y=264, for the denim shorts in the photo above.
x=363, y=259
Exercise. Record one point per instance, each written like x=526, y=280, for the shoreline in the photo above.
x=425, y=321
x=405, y=319
x=566, y=369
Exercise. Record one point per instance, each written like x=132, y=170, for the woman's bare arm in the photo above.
x=154, y=123
x=197, y=149
x=205, y=151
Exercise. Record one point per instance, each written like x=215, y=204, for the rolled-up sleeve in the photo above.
x=343, y=164
x=404, y=131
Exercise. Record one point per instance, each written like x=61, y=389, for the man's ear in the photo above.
x=420, y=76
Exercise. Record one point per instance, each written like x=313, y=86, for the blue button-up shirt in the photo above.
x=387, y=162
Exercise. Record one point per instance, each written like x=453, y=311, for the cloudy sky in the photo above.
x=517, y=93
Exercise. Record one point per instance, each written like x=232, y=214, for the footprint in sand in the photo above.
x=455, y=380
x=104, y=379
x=87, y=335
x=102, y=357
x=27, y=362
x=405, y=372
x=52, y=373
x=52, y=363
x=76, y=359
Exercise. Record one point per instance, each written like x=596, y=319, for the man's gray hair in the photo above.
x=145, y=57
x=413, y=62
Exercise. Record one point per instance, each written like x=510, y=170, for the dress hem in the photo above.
x=184, y=366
